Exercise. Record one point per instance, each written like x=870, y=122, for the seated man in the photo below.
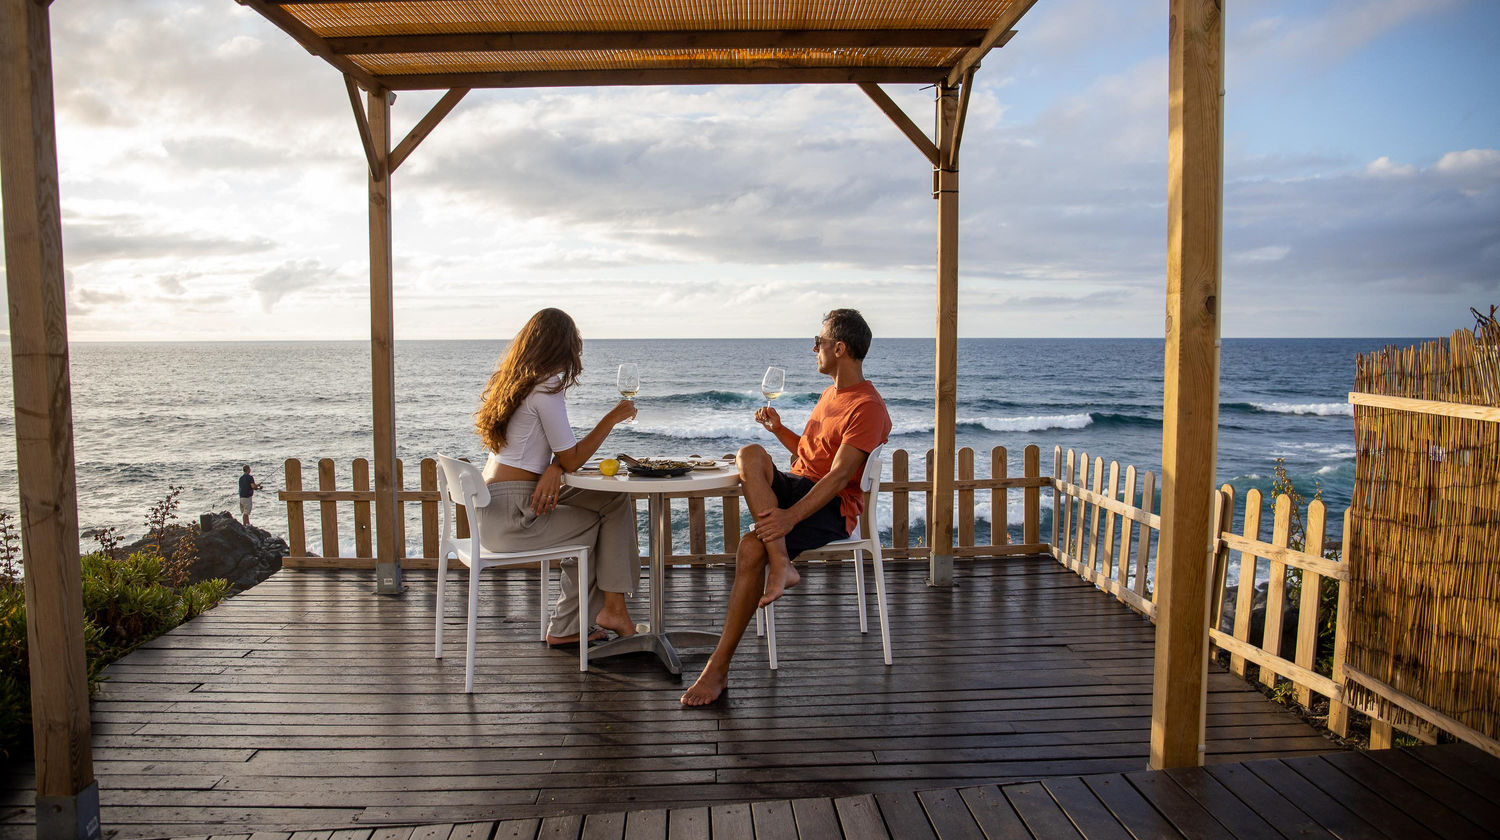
x=818, y=502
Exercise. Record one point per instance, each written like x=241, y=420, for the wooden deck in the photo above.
x=1432, y=793
x=308, y=703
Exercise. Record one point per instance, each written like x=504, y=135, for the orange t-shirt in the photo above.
x=855, y=415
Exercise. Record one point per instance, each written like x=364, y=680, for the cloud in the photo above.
x=128, y=237
x=1383, y=167
x=225, y=152
x=289, y=278
x=1323, y=34
x=1479, y=167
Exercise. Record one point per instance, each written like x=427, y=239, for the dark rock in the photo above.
x=242, y=554
x=1290, y=609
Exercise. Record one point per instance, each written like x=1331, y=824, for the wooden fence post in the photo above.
x=296, y=527
x=1245, y=591
x=1122, y=573
x=329, y=510
x=999, y=499
x=1308, y=605
x=1031, y=497
x=430, y=540
x=966, y=498
x=1106, y=558
x=900, y=501
x=1281, y=532
x=1145, y=570
x=1338, y=712
x=363, y=547
x=1057, y=496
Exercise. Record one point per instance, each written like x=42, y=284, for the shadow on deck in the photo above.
x=307, y=702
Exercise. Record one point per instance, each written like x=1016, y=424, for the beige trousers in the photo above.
x=603, y=521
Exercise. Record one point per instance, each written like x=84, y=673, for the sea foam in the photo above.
x=1329, y=409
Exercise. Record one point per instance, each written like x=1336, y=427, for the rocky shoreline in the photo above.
x=242, y=554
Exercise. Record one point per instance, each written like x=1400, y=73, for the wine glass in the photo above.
x=629, y=383
x=773, y=383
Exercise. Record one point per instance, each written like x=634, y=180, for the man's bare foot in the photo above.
x=597, y=635
x=618, y=620
x=778, y=582
x=709, y=687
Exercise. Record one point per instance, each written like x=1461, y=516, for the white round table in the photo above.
x=658, y=639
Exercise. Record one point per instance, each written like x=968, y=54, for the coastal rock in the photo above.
x=242, y=554
x=1289, y=612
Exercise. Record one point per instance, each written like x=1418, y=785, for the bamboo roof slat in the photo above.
x=483, y=43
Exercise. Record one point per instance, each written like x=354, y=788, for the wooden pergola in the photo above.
x=385, y=46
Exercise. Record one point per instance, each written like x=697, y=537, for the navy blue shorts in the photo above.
x=816, y=531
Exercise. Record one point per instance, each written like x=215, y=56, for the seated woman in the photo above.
x=523, y=421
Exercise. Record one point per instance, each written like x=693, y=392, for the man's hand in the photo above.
x=774, y=524
x=767, y=417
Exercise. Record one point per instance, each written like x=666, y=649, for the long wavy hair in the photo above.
x=548, y=345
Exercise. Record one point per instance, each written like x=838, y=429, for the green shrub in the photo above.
x=126, y=602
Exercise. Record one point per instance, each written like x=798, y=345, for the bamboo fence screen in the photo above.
x=1424, y=535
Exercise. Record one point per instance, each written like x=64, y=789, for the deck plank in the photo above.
x=859, y=816
x=1087, y=813
x=1130, y=808
x=1410, y=799
x=1266, y=802
x=949, y=815
x=815, y=817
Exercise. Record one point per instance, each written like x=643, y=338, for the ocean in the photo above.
x=150, y=415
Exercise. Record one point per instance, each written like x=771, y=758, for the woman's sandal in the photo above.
x=596, y=634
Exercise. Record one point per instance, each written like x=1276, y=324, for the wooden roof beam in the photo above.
x=902, y=121
x=377, y=166
x=425, y=125
x=665, y=76
x=309, y=39
x=957, y=135
x=663, y=40
x=998, y=36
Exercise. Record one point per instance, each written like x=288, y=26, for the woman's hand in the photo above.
x=623, y=410
x=767, y=417
x=544, y=497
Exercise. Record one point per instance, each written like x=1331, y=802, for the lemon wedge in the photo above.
x=609, y=466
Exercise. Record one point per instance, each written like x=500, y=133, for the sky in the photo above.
x=213, y=186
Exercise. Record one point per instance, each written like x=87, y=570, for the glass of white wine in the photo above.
x=773, y=384
x=629, y=382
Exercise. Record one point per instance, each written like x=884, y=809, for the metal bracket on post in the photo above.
x=73, y=817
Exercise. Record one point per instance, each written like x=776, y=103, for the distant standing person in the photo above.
x=248, y=486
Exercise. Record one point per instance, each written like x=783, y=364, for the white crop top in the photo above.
x=537, y=429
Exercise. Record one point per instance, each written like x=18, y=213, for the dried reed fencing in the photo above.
x=333, y=506
x=1424, y=536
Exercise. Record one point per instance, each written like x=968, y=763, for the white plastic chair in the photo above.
x=868, y=523
x=461, y=483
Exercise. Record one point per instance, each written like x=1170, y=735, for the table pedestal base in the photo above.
x=664, y=645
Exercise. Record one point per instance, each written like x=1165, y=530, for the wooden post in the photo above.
x=940, y=512
x=382, y=349
x=1031, y=527
x=1195, y=154
x=1190, y=411
x=67, y=796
